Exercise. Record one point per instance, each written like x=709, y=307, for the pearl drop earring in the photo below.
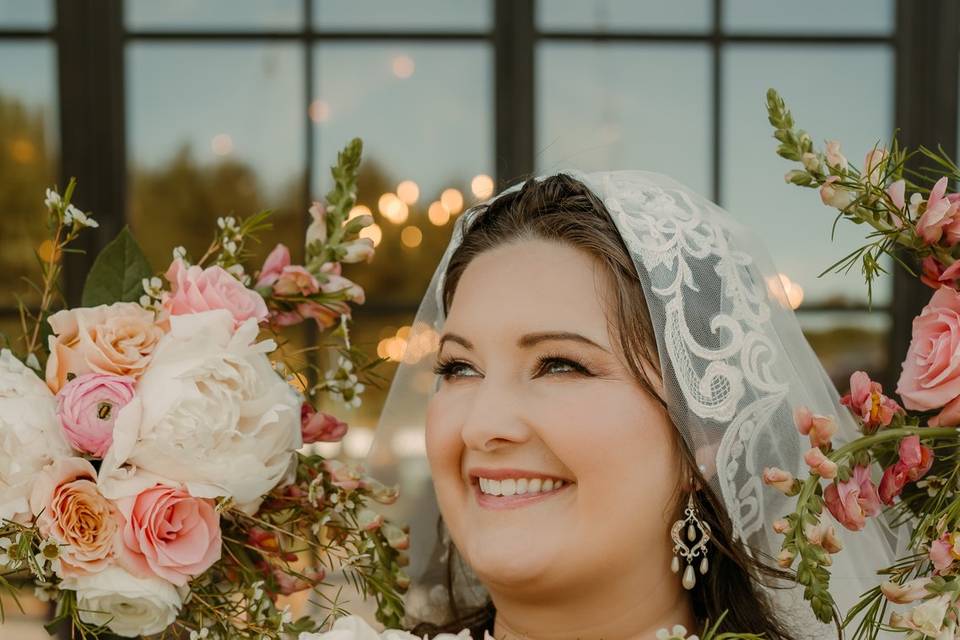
x=697, y=535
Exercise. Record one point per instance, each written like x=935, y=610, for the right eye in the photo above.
x=454, y=369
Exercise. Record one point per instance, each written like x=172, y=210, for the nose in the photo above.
x=495, y=419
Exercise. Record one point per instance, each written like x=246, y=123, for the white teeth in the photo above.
x=518, y=486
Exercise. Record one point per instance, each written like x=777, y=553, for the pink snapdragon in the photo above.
x=867, y=402
x=914, y=463
x=317, y=426
x=821, y=429
x=853, y=501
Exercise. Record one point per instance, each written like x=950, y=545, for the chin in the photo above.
x=508, y=560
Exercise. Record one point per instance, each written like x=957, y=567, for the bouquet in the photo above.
x=153, y=473
x=905, y=460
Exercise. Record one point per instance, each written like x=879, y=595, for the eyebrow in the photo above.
x=528, y=340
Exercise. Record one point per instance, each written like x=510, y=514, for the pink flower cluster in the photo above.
x=868, y=404
x=287, y=280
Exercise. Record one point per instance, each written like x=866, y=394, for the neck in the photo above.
x=622, y=613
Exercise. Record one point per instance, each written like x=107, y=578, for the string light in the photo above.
x=403, y=66
x=319, y=110
x=482, y=186
x=408, y=191
x=222, y=144
x=411, y=236
x=452, y=199
x=438, y=214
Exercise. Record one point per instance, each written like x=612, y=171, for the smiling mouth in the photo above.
x=514, y=493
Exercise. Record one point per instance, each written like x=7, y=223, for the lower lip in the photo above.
x=515, y=501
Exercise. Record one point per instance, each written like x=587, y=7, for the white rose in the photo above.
x=210, y=412
x=30, y=436
x=133, y=606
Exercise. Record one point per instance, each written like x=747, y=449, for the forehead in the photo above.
x=531, y=285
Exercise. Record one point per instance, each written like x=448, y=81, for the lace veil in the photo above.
x=734, y=363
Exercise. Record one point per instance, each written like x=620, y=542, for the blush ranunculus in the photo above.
x=195, y=290
x=116, y=339
x=867, y=401
x=170, y=534
x=853, y=501
x=930, y=377
x=88, y=407
x=318, y=426
x=71, y=510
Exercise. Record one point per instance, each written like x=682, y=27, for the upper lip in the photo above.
x=503, y=474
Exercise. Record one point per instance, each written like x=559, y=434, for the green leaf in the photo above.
x=117, y=273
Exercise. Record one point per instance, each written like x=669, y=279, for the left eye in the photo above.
x=560, y=365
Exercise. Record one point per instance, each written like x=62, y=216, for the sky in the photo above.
x=425, y=110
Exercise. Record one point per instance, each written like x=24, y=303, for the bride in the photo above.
x=615, y=366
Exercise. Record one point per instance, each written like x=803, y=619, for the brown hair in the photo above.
x=562, y=209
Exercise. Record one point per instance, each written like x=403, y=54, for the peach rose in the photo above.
x=930, y=378
x=194, y=290
x=113, y=339
x=71, y=511
x=170, y=534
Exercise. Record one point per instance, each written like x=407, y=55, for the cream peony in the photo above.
x=210, y=412
x=129, y=606
x=30, y=436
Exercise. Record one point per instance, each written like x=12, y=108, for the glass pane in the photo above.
x=28, y=160
x=617, y=106
x=26, y=13
x=214, y=130
x=252, y=15
x=849, y=341
x=390, y=15
x=425, y=114
x=858, y=113
x=811, y=16
x=623, y=15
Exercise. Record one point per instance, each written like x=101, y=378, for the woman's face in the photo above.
x=553, y=468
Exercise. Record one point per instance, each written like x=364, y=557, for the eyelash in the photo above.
x=447, y=367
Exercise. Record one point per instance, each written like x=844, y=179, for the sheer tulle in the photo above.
x=735, y=364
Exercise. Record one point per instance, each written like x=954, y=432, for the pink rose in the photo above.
x=867, y=402
x=821, y=429
x=820, y=464
x=170, y=534
x=117, y=338
x=940, y=218
x=930, y=377
x=914, y=463
x=853, y=501
x=273, y=266
x=71, y=511
x=320, y=427
x=779, y=479
x=944, y=551
x=88, y=407
x=194, y=290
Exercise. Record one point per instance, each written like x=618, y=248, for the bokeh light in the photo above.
x=411, y=236
x=408, y=191
x=452, y=199
x=438, y=214
x=482, y=186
